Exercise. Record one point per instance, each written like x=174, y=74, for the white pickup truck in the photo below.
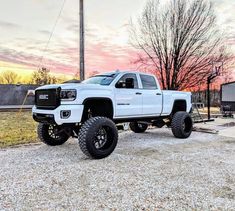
x=91, y=110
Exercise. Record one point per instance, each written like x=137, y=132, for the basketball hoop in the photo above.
x=217, y=68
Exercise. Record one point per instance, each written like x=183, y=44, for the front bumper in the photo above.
x=54, y=116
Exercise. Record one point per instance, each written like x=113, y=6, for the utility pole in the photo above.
x=82, y=42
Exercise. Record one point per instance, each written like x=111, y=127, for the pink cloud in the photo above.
x=103, y=57
x=100, y=57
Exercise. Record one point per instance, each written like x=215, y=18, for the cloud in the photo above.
x=103, y=57
x=45, y=32
x=73, y=28
x=103, y=52
x=9, y=25
x=100, y=56
x=32, y=61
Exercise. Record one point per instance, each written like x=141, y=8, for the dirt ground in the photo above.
x=150, y=171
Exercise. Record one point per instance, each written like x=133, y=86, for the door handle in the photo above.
x=138, y=93
x=158, y=94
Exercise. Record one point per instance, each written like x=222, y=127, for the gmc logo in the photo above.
x=43, y=97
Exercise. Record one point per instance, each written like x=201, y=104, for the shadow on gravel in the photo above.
x=145, y=144
x=230, y=142
x=71, y=153
x=153, y=143
x=158, y=134
x=68, y=152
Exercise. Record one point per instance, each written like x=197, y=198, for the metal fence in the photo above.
x=201, y=97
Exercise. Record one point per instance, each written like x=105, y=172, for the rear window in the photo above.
x=148, y=82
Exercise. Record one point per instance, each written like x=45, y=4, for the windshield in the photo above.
x=104, y=80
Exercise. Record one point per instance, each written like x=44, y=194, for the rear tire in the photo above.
x=182, y=125
x=52, y=135
x=138, y=127
x=98, y=137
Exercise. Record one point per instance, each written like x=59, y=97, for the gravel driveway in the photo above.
x=151, y=171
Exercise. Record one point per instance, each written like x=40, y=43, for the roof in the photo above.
x=233, y=82
x=124, y=71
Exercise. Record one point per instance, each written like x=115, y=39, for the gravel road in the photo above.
x=151, y=171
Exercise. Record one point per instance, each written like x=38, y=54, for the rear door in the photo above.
x=152, y=95
x=128, y=100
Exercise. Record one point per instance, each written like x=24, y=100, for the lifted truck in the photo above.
x=91, y=110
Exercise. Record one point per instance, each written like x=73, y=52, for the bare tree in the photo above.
x=42, y=76
x=93, y=73
x=228, y=68
x=77, y=75
x=227, y=78
x=61, y=79
x=178, y=41
x=88, y=75
x=1, y=80
x=10, y=77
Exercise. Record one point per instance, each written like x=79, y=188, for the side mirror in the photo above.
x=130, y=83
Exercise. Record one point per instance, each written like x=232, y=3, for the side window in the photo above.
x=148, y=82
x=122, y=81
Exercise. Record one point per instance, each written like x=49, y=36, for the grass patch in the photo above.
x=17, y=128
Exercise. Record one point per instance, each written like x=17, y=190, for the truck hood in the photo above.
x=79, y=86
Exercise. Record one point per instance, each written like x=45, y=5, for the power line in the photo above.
x=51, y=34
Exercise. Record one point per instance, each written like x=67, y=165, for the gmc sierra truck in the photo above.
x=91, y=110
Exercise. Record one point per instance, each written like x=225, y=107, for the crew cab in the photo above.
x=91, y=110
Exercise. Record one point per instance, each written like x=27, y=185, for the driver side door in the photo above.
x=128, y=100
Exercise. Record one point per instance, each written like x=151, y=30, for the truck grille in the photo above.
x=47, y=98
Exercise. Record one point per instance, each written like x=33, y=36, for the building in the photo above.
x=228, y=95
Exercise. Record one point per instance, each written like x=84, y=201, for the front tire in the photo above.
x=182, y=125
x=138, y=127
x=98, y=137
x=52, y=135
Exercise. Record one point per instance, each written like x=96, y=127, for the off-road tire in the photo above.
x=138, y=127
x=88, y=135
x=182, y=125
x=45, y=137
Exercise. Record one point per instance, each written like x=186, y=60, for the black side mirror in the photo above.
x=130, y=83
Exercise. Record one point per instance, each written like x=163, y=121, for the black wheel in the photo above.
x=52, y=135
x=98, y=137
x=182, y=125
x=138, y=127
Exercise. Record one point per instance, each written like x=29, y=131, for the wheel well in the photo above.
x=98, y=107
x=179, y=105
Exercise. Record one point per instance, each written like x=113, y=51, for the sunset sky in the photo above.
x=26, y=25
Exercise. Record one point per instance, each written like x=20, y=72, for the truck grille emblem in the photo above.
x=43, y=97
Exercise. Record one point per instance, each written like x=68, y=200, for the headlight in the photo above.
x=68, y=95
